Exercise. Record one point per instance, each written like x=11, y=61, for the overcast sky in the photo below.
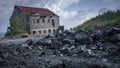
x=71, y=12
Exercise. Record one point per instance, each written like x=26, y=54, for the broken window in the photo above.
x=34, y=32
x=49, y=31
x=37, y=20
x=53, y=30
x=53, y=23
x=39, y=31
x=44, y=31
x=43, y=20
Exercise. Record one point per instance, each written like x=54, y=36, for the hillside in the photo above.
x=107, y=19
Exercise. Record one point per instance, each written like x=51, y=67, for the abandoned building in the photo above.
x=37, y=21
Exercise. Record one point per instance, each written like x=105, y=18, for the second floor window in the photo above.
x=37, y=20
x=54, y=30
x=53, y=22
x=43, y=20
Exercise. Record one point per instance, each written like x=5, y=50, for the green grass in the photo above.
x=110, y=22
x=87, y=27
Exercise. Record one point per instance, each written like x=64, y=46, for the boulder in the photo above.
x=69, y=32
x=46, y=41
x=29, y=42
x=56, y=44
x=115, y=38
x=76, y=50
x=83, y=37
x=69, y=39
x=113, y=30
x=100, y=35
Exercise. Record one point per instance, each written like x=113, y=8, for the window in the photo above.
x=34, y=32
x=44, y=31
x=53, y=30
x=53, y=23
x=37, y=20
x=39, y=31
x=43, y=20
x=49, y=31
x=48, y=20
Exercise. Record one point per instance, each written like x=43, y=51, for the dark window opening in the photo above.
x=34, y=32
x=53, y=30
x=40, y=32
x=49, y=31
x=53, y=23
x=43, y=20
x=37, y=20
x=44, y=31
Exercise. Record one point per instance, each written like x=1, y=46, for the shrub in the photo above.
x=16, y=27
x=110, y=22
x=89, y=28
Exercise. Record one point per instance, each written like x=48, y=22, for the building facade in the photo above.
x=37, y=21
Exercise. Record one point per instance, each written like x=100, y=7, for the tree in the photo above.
x=16, y=27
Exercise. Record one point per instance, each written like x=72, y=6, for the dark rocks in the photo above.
x=115, y=38
x=29, y=42
x=56, y=44
x=70, y=49
x=113, y=30
x=76, y=50
x=46, y=41
x=82, y=38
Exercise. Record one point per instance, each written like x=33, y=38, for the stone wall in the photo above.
x=40, y=25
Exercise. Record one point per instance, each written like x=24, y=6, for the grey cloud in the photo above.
x=118, y=7
x=90, y=10
x=102, y=10
x=79, y=13
x=84, y=12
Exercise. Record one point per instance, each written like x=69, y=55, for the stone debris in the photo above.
x=68, y=49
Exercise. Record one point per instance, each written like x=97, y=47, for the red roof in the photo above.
x=41, y=11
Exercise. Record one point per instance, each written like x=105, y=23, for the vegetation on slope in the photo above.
x=106, y=19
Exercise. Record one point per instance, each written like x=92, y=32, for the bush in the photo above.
x=89, y=28
x=110, y=22
x=16, y=27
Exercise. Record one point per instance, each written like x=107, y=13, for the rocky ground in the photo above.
x=70, y=49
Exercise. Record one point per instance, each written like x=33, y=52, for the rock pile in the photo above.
x=70, y=49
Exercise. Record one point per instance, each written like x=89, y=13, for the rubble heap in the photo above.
x=69, y=49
